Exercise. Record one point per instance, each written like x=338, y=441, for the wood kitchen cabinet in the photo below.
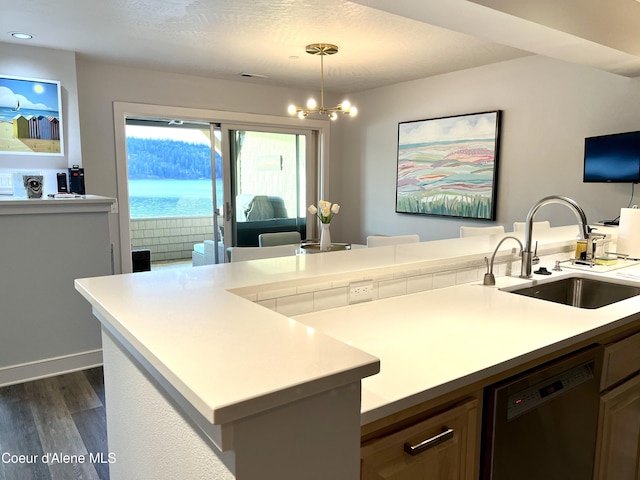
x=618, y=444
x=618, y=441
x=449, y=448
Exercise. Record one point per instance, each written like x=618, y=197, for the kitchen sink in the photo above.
x=580, y=292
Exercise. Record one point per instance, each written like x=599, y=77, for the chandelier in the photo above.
x=312, y=107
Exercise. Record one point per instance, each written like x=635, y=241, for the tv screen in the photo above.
x=612, y=158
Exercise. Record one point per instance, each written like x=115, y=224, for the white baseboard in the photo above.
x=49, y=367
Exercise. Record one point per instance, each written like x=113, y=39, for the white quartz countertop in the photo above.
x=435, y=342
x=229, y=357
x=86, y=203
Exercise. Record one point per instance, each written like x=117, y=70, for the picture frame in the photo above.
x=30, y=116
x=448, y=166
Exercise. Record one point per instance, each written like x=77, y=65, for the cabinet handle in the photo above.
x=446, y=434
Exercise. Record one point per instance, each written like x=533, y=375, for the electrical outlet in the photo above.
x=360, y=291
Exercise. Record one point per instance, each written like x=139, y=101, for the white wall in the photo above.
x=548, y=108
x=46, y=64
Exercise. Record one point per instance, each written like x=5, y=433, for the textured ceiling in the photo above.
x=381, y=42
x=614, y=23
x=577, y=31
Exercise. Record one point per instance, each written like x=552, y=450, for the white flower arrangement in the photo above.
x=325, y=211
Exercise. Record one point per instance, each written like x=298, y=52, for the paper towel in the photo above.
x=629, y=232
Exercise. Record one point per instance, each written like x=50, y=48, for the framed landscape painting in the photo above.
x=449, y=166
x=30, y=116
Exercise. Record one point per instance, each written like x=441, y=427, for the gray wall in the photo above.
x=46, y=64
x=548, y=108
x=46, y=327
x=99, y=85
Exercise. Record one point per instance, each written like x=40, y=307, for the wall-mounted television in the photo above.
x=612, y=158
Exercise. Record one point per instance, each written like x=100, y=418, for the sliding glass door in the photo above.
x=239, y=174
x=180, y=211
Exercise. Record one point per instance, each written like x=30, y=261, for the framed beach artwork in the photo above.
x=449, y=166
x=30, y=116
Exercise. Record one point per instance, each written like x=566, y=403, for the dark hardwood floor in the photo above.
x=54, y=428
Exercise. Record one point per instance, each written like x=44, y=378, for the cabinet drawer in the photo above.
x=444, y=448
x=621, y=359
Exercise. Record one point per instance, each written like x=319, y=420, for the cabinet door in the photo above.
x=618, y=447
x=621, y=359
x=449, y=451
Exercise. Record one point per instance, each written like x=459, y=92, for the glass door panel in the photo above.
x=268, y=183
x=174, y=172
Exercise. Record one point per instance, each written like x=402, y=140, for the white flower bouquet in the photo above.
x=325, y=211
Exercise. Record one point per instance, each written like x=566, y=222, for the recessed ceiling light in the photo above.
x=21, y=35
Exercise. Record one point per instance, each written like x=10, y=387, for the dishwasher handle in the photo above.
x=445, y=435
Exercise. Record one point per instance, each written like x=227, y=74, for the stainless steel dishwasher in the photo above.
x=542, y=424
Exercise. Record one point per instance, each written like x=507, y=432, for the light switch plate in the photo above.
x=6, y=184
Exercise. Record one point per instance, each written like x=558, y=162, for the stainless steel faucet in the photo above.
x=525, y=271
x=489, y=277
